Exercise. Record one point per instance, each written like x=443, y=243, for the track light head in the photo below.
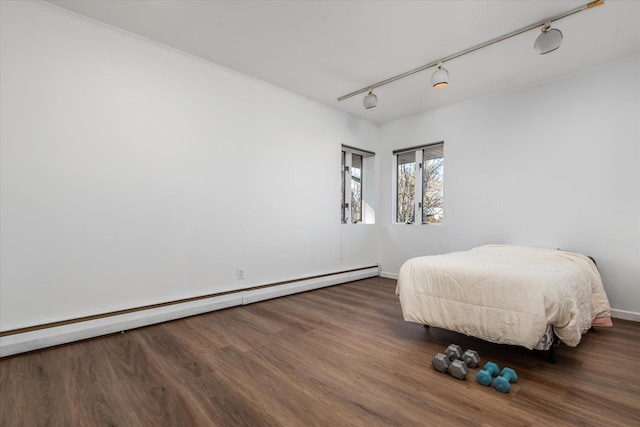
x=549, y=40
x=440, y=77
x=370, y=100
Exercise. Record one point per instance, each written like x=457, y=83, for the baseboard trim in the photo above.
x=257, y=295
x=625, y=315
x=388, y=275
x=36, y=339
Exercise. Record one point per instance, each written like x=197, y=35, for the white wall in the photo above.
x=552, y=165
x=133, y=174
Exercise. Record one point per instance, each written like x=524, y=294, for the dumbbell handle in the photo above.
x=485, y=376
x=502, y=384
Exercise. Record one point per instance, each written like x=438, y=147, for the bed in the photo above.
x=526, y=296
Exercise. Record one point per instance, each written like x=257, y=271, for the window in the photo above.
x=356, y=167
x=419, y=171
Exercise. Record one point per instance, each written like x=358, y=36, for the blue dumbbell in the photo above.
x=485, y=376
x=503, y=382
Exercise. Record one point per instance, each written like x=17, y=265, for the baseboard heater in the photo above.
x=51, y=334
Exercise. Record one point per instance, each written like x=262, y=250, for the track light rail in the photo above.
x=474, y=48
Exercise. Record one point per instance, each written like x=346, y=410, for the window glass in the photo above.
x=406, y=187
x=343, y=212
x=432, y=184
x=356, y=188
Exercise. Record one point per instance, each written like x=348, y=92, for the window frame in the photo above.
x=418, y=186
x=347, y=183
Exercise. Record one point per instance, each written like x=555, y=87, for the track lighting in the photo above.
x=440, y=77
x=370, y=101
x=548, y=41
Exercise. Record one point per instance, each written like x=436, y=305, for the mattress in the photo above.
x=506, y=294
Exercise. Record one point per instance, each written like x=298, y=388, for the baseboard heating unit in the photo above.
x=51, y=334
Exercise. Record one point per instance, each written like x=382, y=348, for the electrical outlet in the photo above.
x=240, y=273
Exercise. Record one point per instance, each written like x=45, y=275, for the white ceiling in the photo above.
x=326, y=49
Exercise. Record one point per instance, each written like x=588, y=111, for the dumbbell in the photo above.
x=456, y=368
x=441, y=362
x=459, y=368
x=454, y=352
x=471, y=358
x=485, y=376
x=502, y=383
x=455, y=362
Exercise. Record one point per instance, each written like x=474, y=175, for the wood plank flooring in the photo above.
x=339, y=356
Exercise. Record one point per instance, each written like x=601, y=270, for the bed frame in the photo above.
x=548, y=343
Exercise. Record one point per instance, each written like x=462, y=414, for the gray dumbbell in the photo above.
x=458, y=369
x=454, y=352
x=471, y=358
x=454, y=362
x=441, y=362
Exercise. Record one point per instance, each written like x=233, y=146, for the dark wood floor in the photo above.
x=338, y=356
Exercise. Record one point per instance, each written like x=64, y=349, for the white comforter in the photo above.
x=504, y=294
